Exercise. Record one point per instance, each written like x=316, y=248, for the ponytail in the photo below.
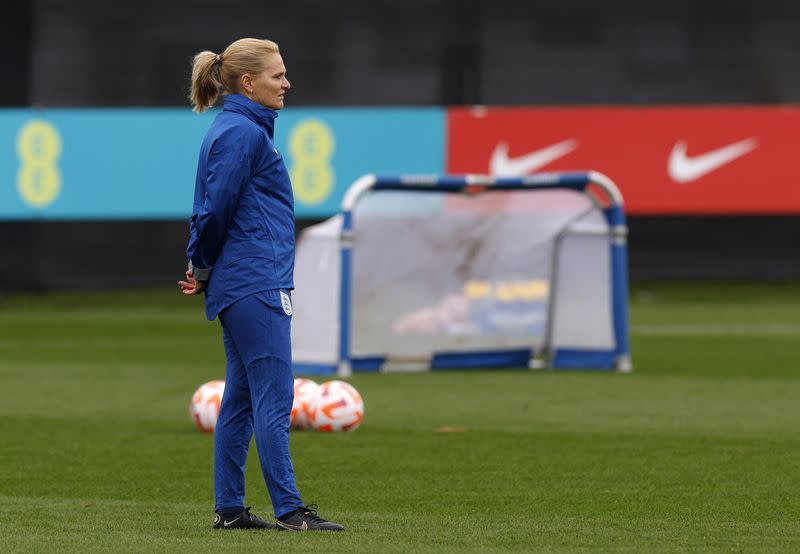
x=205, y=85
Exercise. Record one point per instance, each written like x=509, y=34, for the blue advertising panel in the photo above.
x=326, y=150
x=141, y=163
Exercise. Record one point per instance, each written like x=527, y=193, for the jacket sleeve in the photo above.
x=228, y=171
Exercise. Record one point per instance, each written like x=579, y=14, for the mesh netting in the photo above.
x=452, y=273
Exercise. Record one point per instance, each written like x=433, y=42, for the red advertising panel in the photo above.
x=666, y=160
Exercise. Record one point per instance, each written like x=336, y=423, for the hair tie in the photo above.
x=218, y=59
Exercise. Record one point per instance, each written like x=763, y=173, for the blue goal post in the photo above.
x=465, y=271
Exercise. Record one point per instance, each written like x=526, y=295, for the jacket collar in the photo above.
x=253, y=110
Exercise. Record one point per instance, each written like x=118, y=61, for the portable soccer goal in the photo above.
x=445, y=272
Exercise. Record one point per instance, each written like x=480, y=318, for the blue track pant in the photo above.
x=259, y=389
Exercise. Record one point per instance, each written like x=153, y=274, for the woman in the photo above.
x=241, y=254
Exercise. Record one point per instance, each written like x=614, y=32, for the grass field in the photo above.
x=697, y=450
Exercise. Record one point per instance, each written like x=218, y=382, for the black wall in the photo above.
x=412, y=52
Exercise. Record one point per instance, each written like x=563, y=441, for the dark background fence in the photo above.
x=412, y=52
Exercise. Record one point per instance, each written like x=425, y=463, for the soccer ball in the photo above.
x=304, y=390
x=336, y=406
x=205, y=405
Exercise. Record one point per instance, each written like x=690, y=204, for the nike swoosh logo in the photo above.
x=684, y=169
x=227, y=523
x=303, y=527
x=503, y=166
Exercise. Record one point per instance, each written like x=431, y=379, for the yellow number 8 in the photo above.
x=311, y=144
x=38, y=179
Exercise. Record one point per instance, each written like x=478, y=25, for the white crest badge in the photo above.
x=286, y=302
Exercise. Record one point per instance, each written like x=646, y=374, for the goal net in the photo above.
x=422, y=272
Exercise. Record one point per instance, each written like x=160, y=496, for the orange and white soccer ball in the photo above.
x=304, y=390
x=336, y=406
x=205, y=405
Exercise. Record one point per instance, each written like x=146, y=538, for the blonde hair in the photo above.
x=213, y=73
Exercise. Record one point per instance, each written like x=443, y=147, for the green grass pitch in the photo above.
x=697, y=450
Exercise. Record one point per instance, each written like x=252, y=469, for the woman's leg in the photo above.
x=260, y=329
x=233, y=431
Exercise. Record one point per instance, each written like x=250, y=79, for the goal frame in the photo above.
x=598, y=186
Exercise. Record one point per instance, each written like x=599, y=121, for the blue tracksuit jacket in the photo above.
x=241, y=234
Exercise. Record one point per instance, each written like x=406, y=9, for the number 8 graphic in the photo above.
x=39, y=178
x=311, y=144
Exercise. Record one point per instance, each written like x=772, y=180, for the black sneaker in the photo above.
x=306, y=519
x=244, y=520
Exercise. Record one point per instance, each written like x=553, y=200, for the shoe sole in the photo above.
x=286, y=527
x=245, y=528
x=267, y=528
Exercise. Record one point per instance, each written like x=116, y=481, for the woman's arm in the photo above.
x=228, y=171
